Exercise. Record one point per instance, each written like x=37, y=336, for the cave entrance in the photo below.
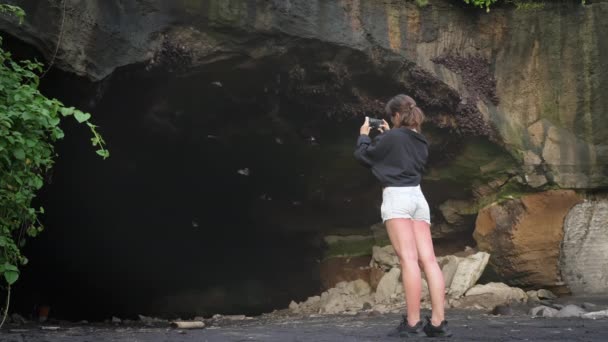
x=223, y=182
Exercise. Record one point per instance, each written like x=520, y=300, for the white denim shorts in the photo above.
x=404, y=202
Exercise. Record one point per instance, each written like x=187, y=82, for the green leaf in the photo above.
x=10, y=267
x=11, y=277
x=65, y=111
x=19, y=153
x=104, y=153
x=54, y=121
x=81, y=117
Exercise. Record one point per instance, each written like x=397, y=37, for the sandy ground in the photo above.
x=467, y=325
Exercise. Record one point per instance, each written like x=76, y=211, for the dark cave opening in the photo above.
x=220, y=187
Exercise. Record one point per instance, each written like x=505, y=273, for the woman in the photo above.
x=397, y=158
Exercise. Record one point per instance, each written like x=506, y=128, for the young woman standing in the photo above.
x=397, y=158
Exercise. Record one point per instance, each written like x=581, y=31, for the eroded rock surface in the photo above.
x=524, y=236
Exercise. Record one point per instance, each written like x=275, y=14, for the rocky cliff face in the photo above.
x=273, y=92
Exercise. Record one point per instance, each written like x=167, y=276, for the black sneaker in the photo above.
x=404, y=329
x=433, y=331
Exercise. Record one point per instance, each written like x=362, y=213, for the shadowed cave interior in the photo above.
x=221, y=185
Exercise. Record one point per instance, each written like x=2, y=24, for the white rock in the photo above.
x=449, y=265
x=501, y=290
x=384, y=257
x=570, y=311
x=532, y=296
x=584, y=249
x=388, y=285
x=468, y=272
x=596, y=314
x=116, y=320
x=543, y=311
x=293, y=306
x=346, y=296
x=545, y=294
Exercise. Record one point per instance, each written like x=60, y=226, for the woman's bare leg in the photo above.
x=434, y=276
x=401, y=233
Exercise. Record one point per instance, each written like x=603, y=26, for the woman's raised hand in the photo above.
x=384, y=127
x=364, y=130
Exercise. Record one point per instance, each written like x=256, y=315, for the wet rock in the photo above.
x=543, y=311
x=467, y=273
x=570, y=311
x=524, y=236
x=584, y=250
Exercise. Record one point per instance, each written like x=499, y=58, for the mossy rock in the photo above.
x=349, y=246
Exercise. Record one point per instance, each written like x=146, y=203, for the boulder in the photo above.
x=505, y=292
x=584, y=249
x=524, y=236
x=389, y=285
x=485, y=301
x=467, y=273
x=545, y=294
x=570, y=311
x=384, y=257
x=448, y=265
x=345, y=297
x=543, y=311
x=454, y=211
x=596, y=314
x=375, y=275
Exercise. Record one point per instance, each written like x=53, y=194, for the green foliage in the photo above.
x=527, y=5
x=29, y=125
x=519, y=4
x=481, y=3
x=422, y=3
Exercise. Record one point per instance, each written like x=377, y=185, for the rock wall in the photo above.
x=584, y=249
x=513, y=100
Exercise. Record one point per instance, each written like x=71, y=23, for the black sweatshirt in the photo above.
x=397, y=157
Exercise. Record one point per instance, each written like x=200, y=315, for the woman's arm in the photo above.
x=369, y=153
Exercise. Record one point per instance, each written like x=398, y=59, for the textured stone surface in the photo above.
x=335, y=270
x=545, y=86
x=524, y=236
x=543, y=311
x=467, y=273
x=505, y=292
x=584, y=250
x=570, y=311
x=389, y=285
x=384, y=257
